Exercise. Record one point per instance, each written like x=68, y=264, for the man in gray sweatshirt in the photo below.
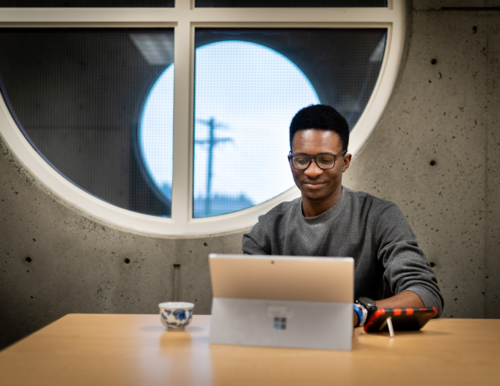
x=332, y=220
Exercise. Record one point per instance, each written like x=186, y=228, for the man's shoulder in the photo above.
x=280, y=210
x=368, y=201
x=381, y=213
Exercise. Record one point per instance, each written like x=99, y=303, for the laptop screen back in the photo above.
x=314, y=279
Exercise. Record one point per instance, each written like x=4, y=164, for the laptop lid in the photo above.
x=314, y=279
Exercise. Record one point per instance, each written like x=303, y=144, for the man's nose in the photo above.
x=313, y=170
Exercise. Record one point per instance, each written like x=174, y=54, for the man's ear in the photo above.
x=347, y=162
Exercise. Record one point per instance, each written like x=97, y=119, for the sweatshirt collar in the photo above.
x=327, y=214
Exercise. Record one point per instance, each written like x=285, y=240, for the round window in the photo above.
x=100, y=117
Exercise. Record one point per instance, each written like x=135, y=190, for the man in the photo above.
x=332, y=220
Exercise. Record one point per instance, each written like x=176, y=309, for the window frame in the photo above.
x=185, y=18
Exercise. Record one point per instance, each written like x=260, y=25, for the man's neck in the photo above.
x=313, y=208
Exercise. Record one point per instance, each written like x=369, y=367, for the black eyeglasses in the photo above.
x=324, y=161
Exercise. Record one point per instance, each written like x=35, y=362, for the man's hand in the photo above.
x=405, y=299
x=355, y=318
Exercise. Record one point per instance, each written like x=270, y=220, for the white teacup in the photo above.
x=176, y=315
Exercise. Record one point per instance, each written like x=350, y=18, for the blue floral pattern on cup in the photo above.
x=176, y=315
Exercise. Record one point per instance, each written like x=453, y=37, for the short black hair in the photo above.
x=321, y=117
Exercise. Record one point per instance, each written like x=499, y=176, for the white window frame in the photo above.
x=185, y=18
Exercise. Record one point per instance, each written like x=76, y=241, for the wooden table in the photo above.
x=81, y=349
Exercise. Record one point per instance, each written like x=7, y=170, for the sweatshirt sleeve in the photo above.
x=405, y=266
x=255, y=242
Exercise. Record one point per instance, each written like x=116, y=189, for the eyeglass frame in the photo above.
x=311, y=157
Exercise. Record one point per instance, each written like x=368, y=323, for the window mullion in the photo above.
x=181, y=184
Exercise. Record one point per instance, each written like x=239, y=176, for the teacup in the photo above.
x=176, y=315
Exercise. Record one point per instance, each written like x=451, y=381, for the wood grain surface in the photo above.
x=85, y=349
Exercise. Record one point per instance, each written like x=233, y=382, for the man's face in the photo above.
x=317, y=185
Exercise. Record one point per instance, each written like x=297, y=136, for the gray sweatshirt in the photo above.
x=371, y=230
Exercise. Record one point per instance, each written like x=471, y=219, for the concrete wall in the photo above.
x=435, y=152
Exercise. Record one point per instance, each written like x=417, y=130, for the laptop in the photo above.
x=282, y=301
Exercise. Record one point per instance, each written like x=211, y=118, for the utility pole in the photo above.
x=212, y=141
